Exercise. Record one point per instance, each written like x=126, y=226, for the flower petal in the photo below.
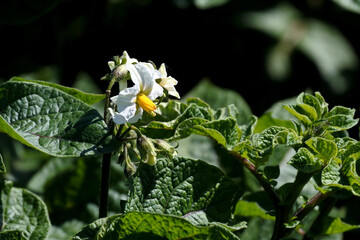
x=156, y=91
x=137, y=116
x=148, y=76
x=125, y=103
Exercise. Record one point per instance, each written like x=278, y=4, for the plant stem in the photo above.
x=262, y=180
x=283, y=210
x=325, y=208
x=104, y=188
x=105, y=167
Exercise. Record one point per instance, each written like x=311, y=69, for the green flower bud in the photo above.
x=165, y=147
x=130, y=167
x=147, y=150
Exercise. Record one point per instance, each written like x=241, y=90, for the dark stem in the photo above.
x=105, y=180
x=261, y=179
x=304, y=210
x=105, y=167
x=283, y=210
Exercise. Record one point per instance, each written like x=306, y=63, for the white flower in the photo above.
x=133, y=100
x=168, y=82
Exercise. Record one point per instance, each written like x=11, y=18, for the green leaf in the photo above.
x=324, y=149
x=332, y=225
x=145, y=225
x=88, y=98
x=312, y=101
x=304, y=161
x=51, y=120
x=331, y=173
x=165, y=128
x=299, y=113
x=218, y=97
x=340, y=118
x=251, y=209
x=350, y=170
x=267, y=120
x=182, y=186
x=23, y=211
x=224, y=131
x=12, y=235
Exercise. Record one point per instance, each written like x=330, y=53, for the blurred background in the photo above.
x=264, y=50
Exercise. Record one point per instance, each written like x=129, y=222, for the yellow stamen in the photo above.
x=145, y=103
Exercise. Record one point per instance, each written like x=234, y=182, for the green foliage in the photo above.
x=181, y=187
x=23, y=215
x=88, y=98
x=179, y=197
x=51, y=120
x=144, y=225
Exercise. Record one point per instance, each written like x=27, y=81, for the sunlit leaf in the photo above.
x=51, y=120
x=156, y=226
x=182, y=187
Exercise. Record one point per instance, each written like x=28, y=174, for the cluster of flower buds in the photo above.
x=143, y=150
x=150, y=84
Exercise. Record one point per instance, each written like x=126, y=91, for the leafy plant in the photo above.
x=154, y=192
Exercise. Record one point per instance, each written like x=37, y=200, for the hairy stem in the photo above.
x=283, y=210
x=105, y=167
x=262, y=180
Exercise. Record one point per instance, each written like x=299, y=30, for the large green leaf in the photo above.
x=51, y=120
x=22, y=211
x=156, y=226
x=88, y=98
x=183, y=187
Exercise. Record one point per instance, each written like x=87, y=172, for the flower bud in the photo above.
x=164, y=146
x=147, y=150
x=120, y=72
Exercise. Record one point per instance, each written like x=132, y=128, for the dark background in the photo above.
x=77, y=36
